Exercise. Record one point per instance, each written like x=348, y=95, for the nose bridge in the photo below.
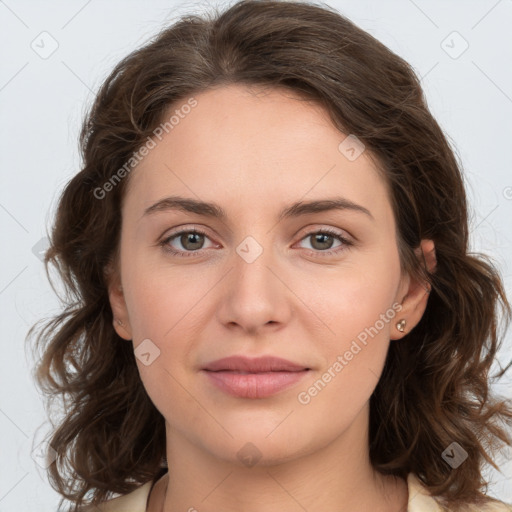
x=255, y=296
x=252, y=263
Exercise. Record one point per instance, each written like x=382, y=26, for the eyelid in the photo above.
x=184, y=227
x=325, y=228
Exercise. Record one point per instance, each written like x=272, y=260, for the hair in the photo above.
x=435, y=385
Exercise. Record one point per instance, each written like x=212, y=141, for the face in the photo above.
x=318, y=287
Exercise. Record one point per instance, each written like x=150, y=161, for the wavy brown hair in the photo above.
x=435, y=387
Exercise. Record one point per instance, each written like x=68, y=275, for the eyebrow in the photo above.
x=213, y=210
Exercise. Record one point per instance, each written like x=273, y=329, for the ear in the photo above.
x=121, y=320
x=415, y=293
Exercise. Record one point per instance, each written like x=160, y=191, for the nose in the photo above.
x=254, y=295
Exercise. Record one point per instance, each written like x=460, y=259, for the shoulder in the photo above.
x=134, y=501
x=420, y=500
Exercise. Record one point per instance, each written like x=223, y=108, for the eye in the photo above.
x=191, y=240
x=322, y=241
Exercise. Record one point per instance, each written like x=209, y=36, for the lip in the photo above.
x=254, y=385
x=259, y=377
x=254, y=365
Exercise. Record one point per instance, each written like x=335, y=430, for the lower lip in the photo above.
x=254, y=385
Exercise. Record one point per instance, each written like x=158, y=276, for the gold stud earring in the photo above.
x=401, y=325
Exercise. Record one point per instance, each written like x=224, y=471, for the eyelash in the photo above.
x=187, y=254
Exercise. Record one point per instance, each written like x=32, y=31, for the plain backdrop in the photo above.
x=54, y=55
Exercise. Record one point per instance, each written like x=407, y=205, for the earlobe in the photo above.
x=121, y=330
x=415, y=301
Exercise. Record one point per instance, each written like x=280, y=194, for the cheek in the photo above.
x=167, y=317
x=161, y=299
x=350, y=300
x=164, y=320
x=354, y=350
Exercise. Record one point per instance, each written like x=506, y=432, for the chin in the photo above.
x=251, y=447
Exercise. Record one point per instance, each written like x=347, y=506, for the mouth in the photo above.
x=254, y=385
x=260, y=377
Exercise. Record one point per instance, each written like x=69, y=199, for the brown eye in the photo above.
x=191, y=241
x=185, y=243
x=322, y=242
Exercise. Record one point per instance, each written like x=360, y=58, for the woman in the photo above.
x=272, y=305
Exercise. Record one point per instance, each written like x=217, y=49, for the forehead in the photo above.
x=253, y=144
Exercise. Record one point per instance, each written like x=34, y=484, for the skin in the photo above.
x=253, y=153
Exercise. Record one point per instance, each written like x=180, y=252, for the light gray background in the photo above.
x=42, y=102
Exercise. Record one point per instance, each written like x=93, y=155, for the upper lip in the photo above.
x=254, y=365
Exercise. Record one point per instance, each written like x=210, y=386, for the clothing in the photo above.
x=419, y=500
